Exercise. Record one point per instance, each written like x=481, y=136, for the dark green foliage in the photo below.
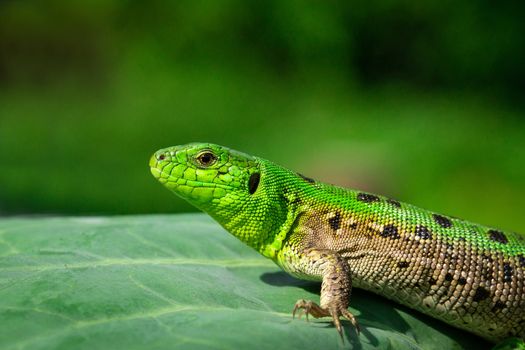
x=396, y=98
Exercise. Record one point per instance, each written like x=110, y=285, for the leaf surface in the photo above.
x=174, y=281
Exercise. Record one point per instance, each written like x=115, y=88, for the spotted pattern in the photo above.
x=481, y=294
x=442, y=221
x=423, y=232
x=498, y=236
x=507, y=272
x=335, y=221
x=433, y=273
x=393, y=202
x=367, y=198
x=390, y=231
x=403, y=264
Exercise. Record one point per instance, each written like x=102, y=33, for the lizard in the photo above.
x=468, y=275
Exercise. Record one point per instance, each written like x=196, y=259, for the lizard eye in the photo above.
x=206, y=158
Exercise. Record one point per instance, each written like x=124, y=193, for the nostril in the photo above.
x=161, y=157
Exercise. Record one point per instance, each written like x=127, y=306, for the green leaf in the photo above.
x=174, y=281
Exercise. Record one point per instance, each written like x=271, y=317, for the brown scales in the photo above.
x=450, y=280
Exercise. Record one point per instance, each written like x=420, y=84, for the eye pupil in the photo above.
x=207, y=158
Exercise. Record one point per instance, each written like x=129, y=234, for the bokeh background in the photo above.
x=420, y=101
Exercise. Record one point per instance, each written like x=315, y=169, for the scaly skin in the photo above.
x=468, y=275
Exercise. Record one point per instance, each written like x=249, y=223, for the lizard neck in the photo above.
x=263, y=221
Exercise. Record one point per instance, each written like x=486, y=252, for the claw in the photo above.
x=308, y=307
x=348, y=315
x=304, y=307
x=337, y=323
x=299, y=305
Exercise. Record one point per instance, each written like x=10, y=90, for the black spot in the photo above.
x=297, y=200
x=499, y=305
x=432, y=281
x=353, y=225
x=498, y=236
x=507, y=272
x=290, y=199
x=393, y=202
x=335, y=221
x=481, y=294
x=462, y=281
x=402, y=264
x=306, y=178
x=423, y=232
x=367, y=198
x=390, y=231
x=253, y=182
x=521, y=259
x=462, y=239
x=442, y=221
x=448, y=277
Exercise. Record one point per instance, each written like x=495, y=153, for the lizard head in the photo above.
x=213, y=178
x=243, y=193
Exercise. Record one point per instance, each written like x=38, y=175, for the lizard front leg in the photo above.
x=336, y=284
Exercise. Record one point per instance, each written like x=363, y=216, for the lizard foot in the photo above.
x=311, y=308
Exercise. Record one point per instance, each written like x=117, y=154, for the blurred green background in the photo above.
x=422, y=102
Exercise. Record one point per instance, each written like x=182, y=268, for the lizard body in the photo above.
x=468, y=275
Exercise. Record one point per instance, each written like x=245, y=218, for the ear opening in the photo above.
x=253, y=182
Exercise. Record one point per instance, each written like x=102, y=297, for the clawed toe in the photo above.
x=350, y=317
x=308, y=307
x=300, y=305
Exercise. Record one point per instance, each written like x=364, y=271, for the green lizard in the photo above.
x=468, y=275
